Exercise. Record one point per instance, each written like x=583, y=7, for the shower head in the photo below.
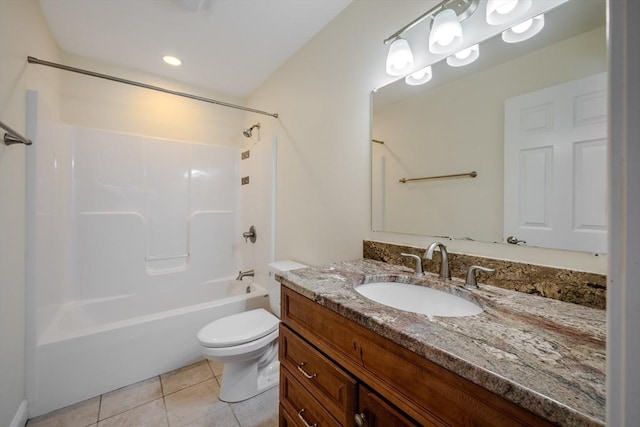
x=248, y=132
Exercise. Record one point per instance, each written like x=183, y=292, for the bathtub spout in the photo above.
x=242, y=274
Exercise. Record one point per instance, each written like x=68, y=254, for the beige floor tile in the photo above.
x=150, y=414
x=216, y=367
x=185, y=377
x=221, y=418
x=130, y=397
x=193, y=403
x=259, y=411
x=79, y=415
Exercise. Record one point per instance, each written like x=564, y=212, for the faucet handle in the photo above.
x=471, y=281
x=418, y=260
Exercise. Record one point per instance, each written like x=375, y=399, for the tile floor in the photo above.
x=185, y=397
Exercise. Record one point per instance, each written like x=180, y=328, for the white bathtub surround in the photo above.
x=135, y=246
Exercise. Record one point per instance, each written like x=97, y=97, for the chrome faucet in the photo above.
x=418, y=260
x=242, y=274
x=472, y=282
x=445, y=271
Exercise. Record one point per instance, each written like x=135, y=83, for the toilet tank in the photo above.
x=274, y=286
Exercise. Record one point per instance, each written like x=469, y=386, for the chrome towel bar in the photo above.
x=471, y=174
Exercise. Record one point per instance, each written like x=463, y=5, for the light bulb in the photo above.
x=522, y=27
x=465, y=56
x=446, y=32
x=524, y=30
x=504, y=11
x=399, y=58
x=507, y=7
x=464, y=53
x=419, y=77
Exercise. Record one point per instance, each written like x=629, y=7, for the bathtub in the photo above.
x=95, y=346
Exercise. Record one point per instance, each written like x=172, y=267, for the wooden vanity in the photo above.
x=337, y=370
x=337, y=373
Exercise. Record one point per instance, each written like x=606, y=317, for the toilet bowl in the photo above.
x=247, y=345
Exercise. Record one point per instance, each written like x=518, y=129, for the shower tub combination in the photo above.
x=96, y=346
x=134, y=247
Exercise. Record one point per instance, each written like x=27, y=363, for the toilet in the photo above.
x=247, y=344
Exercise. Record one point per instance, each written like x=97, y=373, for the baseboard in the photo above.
x=20, y=418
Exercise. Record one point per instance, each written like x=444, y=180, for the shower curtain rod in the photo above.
x=13, y=137
x=33, y=60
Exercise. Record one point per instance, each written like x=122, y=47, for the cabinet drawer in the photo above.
x=329, y=384
x=299, y=405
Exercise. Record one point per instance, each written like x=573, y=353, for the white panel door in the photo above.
x=555, y=178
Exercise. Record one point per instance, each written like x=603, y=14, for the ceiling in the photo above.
x=230, y=46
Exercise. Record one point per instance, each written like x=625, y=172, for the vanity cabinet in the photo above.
x=334, y=369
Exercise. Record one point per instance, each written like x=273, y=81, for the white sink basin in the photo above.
x=418, y=299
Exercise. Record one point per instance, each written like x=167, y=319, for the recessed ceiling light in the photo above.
x=171, y=60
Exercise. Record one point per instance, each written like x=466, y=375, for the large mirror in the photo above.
x=527, y=119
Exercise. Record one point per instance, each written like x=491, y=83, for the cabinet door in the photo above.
x=375, y=412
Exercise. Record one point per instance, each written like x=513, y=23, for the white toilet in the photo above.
x=247, y=344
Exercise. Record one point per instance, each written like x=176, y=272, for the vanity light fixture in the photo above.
x=419, y=77
x=504, y=11
x=465, y=56
x=446, y=32
x=524, y=30
x=399, y=58
x=172, y=60
x=445, y=35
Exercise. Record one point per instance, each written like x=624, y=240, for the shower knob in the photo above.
x=250, y=235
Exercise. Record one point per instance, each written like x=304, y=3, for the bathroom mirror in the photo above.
x=466, y=120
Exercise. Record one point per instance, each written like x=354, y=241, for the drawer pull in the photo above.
x=360, y=419
x=305, y=421
x=305, y=373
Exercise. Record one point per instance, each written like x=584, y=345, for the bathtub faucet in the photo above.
x=242, y=274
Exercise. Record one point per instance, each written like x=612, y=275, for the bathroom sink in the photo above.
x=418, y=299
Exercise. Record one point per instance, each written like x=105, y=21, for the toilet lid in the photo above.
x=238, y=328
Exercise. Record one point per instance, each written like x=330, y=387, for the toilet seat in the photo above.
x=238, y=329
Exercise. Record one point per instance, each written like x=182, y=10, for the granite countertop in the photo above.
x=545, y=355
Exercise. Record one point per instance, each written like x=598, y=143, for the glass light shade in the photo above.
x=399, y=58
x=504, y=11
x=446, y=33
x=464, y=56
x=420, y=77
x=524, y=30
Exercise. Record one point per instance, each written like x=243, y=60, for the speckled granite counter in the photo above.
x=544, y=355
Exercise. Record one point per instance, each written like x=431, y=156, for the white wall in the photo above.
x=23, y=32
x=322, y=96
